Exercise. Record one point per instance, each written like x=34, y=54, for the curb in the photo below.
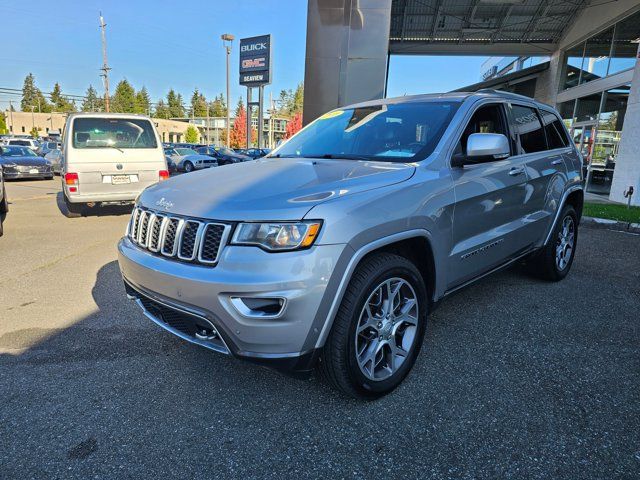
x=605, y=223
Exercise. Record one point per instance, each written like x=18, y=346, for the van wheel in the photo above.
x=188, y=167
x=74, y=210
x=554, y=261
x=378, y=330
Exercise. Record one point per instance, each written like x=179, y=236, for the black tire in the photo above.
x=545, y=264
x=74, y=210
x=188, y=167
x=338, y=363
x=4, y=205
x=50, y=177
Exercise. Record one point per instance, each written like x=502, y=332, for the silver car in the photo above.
x=332, y=251
x=187, y=160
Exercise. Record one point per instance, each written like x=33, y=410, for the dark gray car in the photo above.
x=331, y=251
x=22, y=162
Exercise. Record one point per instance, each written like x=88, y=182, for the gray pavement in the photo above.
x=517, y=378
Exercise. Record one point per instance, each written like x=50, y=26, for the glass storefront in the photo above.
x=605, y=53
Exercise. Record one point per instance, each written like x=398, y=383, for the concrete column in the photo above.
x=347, y=50
x=627, y=171
x=548, y=82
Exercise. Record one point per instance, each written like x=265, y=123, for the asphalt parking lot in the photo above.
x=517, y=379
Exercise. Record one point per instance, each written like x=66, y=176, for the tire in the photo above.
x=547, y=263
x=339, y=362
x=74, y=210
x=4, y=206
x=188, y=167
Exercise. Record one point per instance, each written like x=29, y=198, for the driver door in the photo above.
x=490, y=203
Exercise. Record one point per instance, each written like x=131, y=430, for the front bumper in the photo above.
x=10, y=175
x=300, y=278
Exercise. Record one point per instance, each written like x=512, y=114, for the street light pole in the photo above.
x=227, y=41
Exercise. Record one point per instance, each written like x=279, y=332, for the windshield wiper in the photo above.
x=117, y=148
x=341, y=156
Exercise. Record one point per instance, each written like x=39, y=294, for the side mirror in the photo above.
x=483, y=147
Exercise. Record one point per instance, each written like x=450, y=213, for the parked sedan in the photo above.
x=224, y=156
x=188, y=160
x=256, y=152
x=55, y=158
x=22, y=162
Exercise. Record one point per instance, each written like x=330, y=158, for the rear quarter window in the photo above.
x=527, y=126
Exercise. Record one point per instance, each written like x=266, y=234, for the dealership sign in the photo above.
x=255, y=61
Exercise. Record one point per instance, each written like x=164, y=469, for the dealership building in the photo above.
x=579, y=56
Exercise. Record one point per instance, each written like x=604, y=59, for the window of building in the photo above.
x=573, y=66
x=22, y=129
x=556, y=137
x=625, y=46
x=565, y=109
x=596, y=56
x=528, y=128
x=587, y=108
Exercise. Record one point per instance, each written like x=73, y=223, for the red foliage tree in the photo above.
x=294, y=125
x=238, y=134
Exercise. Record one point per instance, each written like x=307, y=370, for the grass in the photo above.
x=612, y=212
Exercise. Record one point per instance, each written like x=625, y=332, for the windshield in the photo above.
x=25, y=143
x=17, y=152
x=113, y=132
x=225, y=151
x=186, y=151
x=402, y=132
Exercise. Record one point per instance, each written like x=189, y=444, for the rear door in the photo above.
x=542, y=150
x=117, y=155
x=490, y=204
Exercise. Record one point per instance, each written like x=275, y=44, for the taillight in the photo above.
x=71, y=178
x=163, y=175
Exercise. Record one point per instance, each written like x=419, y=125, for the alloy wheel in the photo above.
x=386, y=329
x=565, y=243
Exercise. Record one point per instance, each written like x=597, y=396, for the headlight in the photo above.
x=277, y=236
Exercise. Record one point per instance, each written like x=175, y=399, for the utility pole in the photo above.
x=105, y=66
x=208, y=124
x=10, y=117
x=227, y=42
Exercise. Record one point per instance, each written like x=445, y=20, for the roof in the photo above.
x=490, y=27
x=505, y=79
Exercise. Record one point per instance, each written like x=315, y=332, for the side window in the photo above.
x=487, y=119
x=556, y=136
x=527, y=126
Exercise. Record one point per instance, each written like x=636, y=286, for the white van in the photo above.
x=109, y=158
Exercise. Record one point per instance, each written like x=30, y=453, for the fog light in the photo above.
x=259, y=307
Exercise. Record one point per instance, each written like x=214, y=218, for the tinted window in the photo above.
x=113, y=132
x=487, y=119
x=24, y=143
x=556, y=136
x=526, y=125
x=17, y=152
x=392, y=132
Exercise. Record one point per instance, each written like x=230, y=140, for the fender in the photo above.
x=351, y=266
x=563, y=200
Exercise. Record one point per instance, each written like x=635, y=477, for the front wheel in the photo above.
x=188, y=167
x=378, y=330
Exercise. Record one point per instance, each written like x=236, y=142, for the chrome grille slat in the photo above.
x=180, y=238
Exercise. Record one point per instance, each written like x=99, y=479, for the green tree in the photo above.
x=161, y=110
x=297, y=100
x=34, y=132
x=174, y=103
x=218, y=107
x=198, y=104
x=32, y=97
x=59, y=101
x=123, y=99
x=3, y=123
x=191, y=135
x=142, y=101
x=91, y=102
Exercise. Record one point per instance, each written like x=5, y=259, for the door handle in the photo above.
x=516, y=171
x=557, y=161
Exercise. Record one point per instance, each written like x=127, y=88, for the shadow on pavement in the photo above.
x=97, y=211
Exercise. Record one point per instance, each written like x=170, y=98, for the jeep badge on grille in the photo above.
x=166, y=204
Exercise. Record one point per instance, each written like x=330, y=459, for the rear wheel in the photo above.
x=74, y=210
x=554, y=261
x=378, y=330
x=4, y=208
x=188, y=167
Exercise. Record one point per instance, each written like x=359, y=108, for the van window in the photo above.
x=112, y=132
x=528, y=127
x=556, y=136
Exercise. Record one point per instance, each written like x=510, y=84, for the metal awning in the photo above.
x=487, y=27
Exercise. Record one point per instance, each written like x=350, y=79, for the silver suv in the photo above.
x=331, y=251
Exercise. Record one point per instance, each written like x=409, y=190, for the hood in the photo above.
x=24, y=161
x=270, y=188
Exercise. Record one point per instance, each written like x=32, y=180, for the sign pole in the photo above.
x=260, y=115
x=249, y=106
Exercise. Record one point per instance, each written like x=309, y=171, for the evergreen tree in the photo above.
x=297, y=100
x=59, y=101
x=91, y=102
x=32, y=97
x=218, y=107
x=161, y=111
x=174, y=103
x=123, y=99
x=198, y=104
x=142, y=101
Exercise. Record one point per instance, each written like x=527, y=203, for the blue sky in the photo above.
x=162, y=45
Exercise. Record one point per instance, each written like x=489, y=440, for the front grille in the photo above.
x=176, y=237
